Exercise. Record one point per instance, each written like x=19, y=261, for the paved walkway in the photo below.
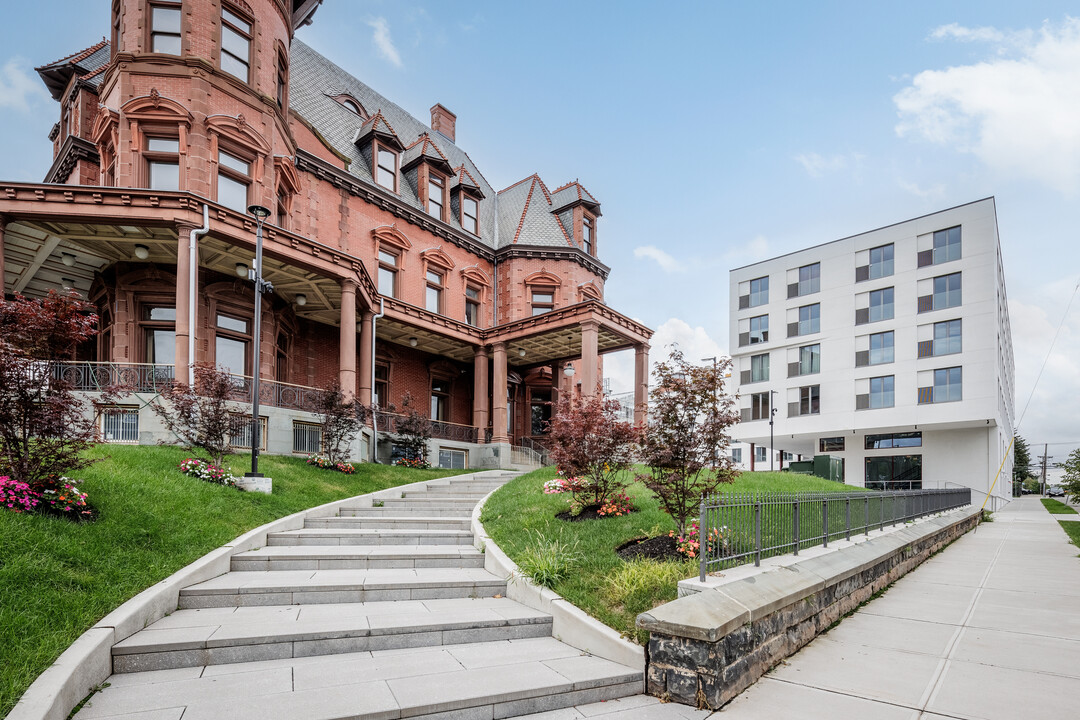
x=987, y=629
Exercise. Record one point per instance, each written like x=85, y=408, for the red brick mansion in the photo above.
x=396, y=267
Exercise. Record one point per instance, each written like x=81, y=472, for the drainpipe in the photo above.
x=374, y=421
x=193, y=289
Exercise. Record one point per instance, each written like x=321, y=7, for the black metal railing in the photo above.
x=98, y=376
x=387, y=422
x=150, y=378
x=737, y=528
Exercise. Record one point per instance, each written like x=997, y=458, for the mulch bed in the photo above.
x=661, y=547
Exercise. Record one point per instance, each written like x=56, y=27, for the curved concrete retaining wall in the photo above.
x=569, y=623
x=88, y=662
x=706, y=648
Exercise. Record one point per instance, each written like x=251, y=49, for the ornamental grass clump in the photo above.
x=207, y=472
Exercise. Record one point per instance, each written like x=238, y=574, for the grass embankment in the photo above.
x=580, y=558
x=1056, y=507
x=58, y=578
x=1071, y=527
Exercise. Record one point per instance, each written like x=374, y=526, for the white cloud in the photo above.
x=955, y=31
x=817, y=165
x=695, y=342
x=17, y=87
x=383, y=42
x=663, y=259
x=1017, y=114
x=933, y=192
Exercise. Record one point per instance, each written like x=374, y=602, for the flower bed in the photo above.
x=325, y=463
x=53, y=496
x=417, y=463
x=207, y=472
x=616, y=504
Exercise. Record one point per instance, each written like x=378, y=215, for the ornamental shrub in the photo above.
x=17, y=496
x=590, y=443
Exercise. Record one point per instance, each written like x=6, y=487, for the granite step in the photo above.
x=477, y=680
x=218, y=636
x=392, y=522
x=431, y=510
x=470, y=490
x=341, y=536
x=357, y=557
x=294, y=587
x=436, y=498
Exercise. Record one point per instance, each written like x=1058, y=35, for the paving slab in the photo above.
x=985, y=630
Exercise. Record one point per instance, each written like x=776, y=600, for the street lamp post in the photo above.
x=255, y=274
x=772, y=412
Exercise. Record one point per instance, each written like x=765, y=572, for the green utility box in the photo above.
x=822, y=466
x=829, y=467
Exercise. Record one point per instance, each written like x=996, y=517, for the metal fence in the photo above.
x=737, y=528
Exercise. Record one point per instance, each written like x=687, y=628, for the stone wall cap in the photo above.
x=706, y=616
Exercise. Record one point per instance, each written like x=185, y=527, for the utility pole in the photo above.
x=1044, y=457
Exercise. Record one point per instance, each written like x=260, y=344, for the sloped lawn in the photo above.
x=580, y=556
x=58, y=578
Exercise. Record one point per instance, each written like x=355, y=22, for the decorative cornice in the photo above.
x=71, y=152
x=342, y=180
x=545, y=252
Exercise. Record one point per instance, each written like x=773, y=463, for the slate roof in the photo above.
x=525, y=209
x=570, y=193
x=88, y=63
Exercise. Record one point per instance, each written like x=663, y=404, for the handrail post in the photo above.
x=866, y=527
x=847, y=518
x=825, y=521
x=701, y=546
x=757, y=533
x=796, y=524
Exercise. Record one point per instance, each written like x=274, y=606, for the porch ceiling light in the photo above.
x=521, y=352
x=68, y=259
x=142, y=252
x=413, y=341
x=241, y=270
x=568, y=371
x=67, y=283
x=301, y=299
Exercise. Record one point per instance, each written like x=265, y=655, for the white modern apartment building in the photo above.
x=890, y=349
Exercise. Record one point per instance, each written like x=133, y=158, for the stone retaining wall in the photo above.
x=706, y=648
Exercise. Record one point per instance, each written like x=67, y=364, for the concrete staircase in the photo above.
x=381, y=612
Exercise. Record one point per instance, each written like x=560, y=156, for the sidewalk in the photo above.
x=987, y=629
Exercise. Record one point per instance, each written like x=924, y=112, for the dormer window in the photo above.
x=436, y=195
x=469, y=214
x=386, y=167
x=351, y=106
x=588, y=229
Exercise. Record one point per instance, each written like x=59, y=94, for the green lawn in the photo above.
x=520, y=518
x=58, y=578
x=1056, y=507
x=1072, y=529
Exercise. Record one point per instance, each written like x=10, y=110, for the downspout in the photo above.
x=374, y=420
x=193, y=286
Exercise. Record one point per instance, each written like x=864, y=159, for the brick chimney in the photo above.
x=443, y=121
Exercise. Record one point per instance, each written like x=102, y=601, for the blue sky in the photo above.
x=717, y=134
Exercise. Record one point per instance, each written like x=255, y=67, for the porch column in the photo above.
x=366, y=356
x=347, y=343
x=556, y=376
x=3, y=282
x=498, y=394
x=589, y=357
x=185, y=323
x=480, y=392
x=641, y=384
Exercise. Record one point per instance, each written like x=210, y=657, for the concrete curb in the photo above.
x=570, y=624
x=87, y=663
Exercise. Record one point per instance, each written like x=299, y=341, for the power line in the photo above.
x=1048, y=353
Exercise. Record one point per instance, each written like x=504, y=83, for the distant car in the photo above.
x=1055, y=491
